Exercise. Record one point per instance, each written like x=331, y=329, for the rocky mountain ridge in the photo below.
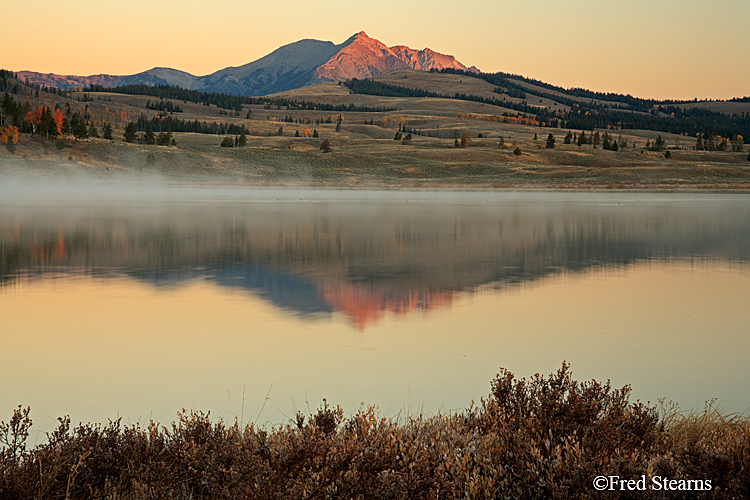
x=291, y=66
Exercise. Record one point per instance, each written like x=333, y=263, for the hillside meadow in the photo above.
x=454, y=144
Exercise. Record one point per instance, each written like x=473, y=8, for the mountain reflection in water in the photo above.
x=367, y=258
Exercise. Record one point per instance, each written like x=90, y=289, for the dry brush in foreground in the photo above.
x=546, y=437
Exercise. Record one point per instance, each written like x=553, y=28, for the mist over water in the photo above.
x=151, y=295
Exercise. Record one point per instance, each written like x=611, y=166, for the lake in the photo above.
x=255, y=304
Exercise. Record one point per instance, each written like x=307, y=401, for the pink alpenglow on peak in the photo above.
x=365, y=57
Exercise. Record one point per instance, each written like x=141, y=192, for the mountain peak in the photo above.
x=364, y=57
x=291, y=66
x=357, y=37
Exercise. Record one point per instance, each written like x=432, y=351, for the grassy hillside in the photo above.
x=454, y=142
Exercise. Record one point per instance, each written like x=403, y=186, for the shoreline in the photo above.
x=376, y=164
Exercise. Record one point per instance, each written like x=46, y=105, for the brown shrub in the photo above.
x=541, y=438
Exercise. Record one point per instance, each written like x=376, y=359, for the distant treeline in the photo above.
x=166, y=123
x=10, y=83
x=228, y=101
x=372, y=87
x=163, y=105
x=512, y=81
x=310, y=105
x=220, y=100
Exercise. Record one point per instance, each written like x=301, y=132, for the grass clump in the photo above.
x=546, y=437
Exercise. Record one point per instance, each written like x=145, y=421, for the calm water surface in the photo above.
x=256, y=304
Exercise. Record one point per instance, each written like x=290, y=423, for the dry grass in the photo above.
x=368, y=155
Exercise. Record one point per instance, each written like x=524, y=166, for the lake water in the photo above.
x=253, y=304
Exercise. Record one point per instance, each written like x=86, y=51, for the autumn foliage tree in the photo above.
x=34, y=118
x=8, y=134
x=57, y=120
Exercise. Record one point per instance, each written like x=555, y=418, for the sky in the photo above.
x=681, y=49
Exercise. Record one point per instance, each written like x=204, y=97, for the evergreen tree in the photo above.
x=568, y=137
x=93, y=132
x=130, y=131
x=149, y=136
x=242, y=141
x=535, y=136
x=75, y=121
x=315, y=132
x=550, y=141
x=107, y=131
x=582, y=139
x=164, y=138
x=46, y=125
x=296, y=133
x=227, y=142
x=397, y=137
x=78, y=127
x=280, y=131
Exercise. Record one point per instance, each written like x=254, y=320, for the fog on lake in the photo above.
x=253, y=304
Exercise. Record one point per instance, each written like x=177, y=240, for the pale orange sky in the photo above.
x=668, y=49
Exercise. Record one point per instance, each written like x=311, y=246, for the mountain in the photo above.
x=295, y=65
x=364, y=57
x=161, y=76
x=288, y=67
